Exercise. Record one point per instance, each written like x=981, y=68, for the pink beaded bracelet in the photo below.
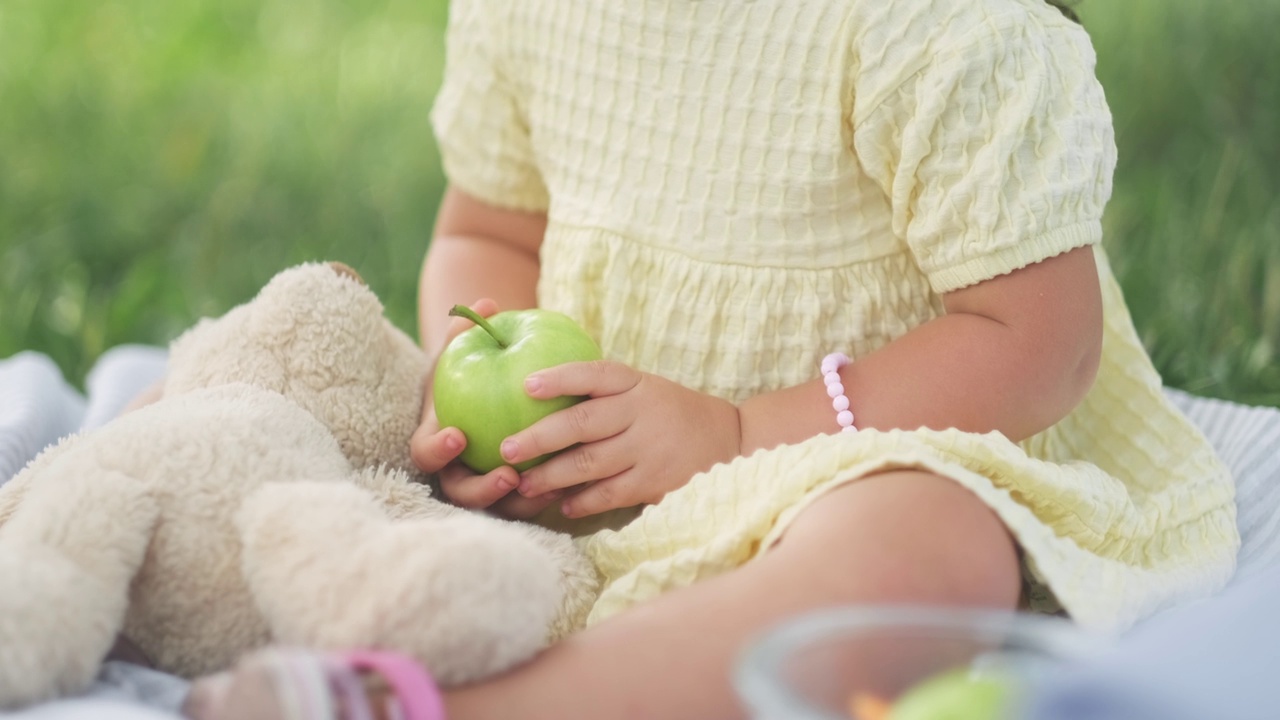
x=830, y=367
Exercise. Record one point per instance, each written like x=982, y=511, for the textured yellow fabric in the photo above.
x=735, y=189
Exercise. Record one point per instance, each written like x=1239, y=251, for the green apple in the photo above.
x=960, y=694
x=479, y=380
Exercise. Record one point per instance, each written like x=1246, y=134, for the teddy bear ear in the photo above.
x=345, y=270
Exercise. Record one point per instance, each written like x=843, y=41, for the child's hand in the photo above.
x=435, y=450
x=638, y=437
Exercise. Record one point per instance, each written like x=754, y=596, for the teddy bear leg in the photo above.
x=67, y=555
x=466, y=595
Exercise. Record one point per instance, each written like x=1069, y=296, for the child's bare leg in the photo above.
x=896, y=537
x=151, y=394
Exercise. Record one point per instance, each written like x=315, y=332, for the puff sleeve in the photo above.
x=478, y=118
x=994, y=154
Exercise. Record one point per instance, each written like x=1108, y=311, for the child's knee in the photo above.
x=906, y=536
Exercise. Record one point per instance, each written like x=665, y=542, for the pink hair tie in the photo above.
x=417, y=692
x=830, y=367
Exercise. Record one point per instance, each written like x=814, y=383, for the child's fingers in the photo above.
x=585, y=422
x=432, y=448
x=468, y=490
x=595, y=378
x=517, y=507
x=602, y=496
x=578, y=465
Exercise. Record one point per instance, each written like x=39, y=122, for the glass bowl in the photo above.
x=855, y=663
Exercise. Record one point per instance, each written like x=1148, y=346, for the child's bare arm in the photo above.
x=486, y=257
x=1015, y=354
x=478, y=251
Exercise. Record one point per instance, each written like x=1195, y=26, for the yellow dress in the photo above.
x=736, y=188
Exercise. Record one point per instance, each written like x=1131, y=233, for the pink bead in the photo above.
x=835, y=389
x=833, y=362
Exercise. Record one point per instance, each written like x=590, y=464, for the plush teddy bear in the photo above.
x=269, y=497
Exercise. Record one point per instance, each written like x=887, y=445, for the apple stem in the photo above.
x=473, y=316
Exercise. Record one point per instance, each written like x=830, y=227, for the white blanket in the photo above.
x=37, y=407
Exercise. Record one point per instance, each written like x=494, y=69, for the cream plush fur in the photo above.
x=269, y=497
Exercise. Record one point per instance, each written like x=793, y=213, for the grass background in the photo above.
x=159, y=161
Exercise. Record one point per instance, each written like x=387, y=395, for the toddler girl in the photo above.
x=862, y=345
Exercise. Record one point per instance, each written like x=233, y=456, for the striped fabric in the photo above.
x=1248, y=440
x=38, y=407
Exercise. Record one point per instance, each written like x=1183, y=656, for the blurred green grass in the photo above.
x=1193, y=227
x=160, y=161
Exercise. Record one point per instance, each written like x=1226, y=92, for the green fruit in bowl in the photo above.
x=479, y=378
x=960, y=694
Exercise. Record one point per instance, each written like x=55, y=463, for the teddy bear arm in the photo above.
x=12, y=492
x=578, y=579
